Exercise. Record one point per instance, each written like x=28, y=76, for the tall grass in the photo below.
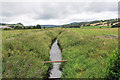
x=113, y=66
x=23, y=56
x=86, y=54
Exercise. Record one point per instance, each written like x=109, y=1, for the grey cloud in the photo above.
x=102, y=6
x=47, y=10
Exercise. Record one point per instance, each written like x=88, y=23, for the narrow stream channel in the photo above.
x=55, y=55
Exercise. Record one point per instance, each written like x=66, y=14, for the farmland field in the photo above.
x=88, y=52
x=24, y=51
x=60, y=40
x=96, y=27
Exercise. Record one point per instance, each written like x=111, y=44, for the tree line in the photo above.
x=23, y=27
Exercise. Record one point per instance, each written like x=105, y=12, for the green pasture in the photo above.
x=23, y=52
x=87, y=55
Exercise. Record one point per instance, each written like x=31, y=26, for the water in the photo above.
x=55, y=55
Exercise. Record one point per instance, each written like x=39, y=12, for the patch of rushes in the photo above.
x=87, y=55
x=23, y=56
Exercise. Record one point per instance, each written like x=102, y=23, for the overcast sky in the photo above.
x=32, y=13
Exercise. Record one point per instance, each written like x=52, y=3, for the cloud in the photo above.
x=57, y=12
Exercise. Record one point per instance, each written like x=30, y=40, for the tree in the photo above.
x=29, y=27
x=18, y=27
x=5, y=28
x=38, y=26
x=34, y=27
x=20, y=24
x=24, y=27
x=44, y=27
x=11, y=26
x=117, y=25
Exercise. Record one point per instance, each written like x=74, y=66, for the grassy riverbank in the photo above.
x=87, y=51
x=24, y=51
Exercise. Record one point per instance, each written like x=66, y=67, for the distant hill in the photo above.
x=12, y=25
x=110, y=22
x=21, y=25
x=49, y=26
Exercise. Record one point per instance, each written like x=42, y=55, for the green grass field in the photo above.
x=96, y=32
x=91, y=53
x=95, y=27
x=24, y=51
x=87, y=54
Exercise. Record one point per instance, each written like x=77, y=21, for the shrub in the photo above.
x=6, y=28
x=117, y=25
x=113, y=66
x=38, y=26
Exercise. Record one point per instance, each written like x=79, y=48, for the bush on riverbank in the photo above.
x=113, y=66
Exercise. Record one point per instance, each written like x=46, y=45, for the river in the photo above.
x=55, y=55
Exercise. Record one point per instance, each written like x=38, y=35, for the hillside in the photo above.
x=21, y=25
x=93, y=24
x=11, y=25
x=49, y=26
x=110, y=22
